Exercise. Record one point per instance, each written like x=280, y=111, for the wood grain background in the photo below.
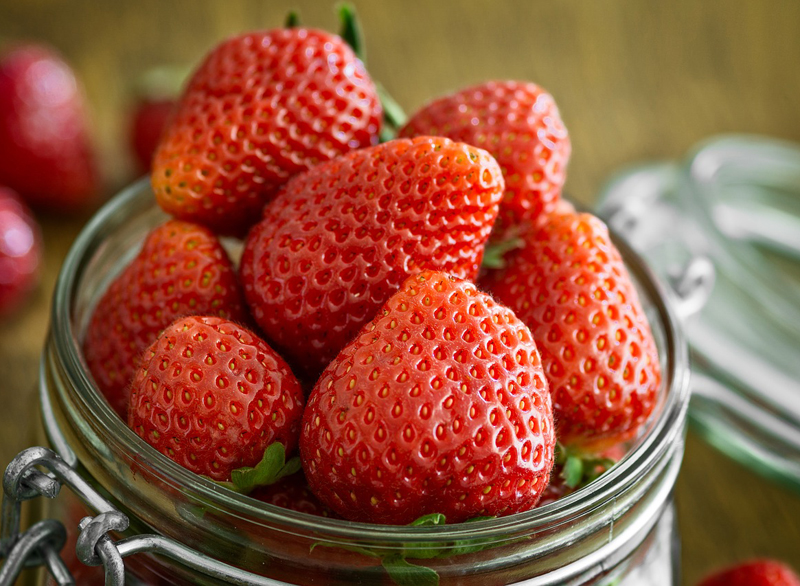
x=634, y=79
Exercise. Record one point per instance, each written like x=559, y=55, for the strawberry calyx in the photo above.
x=394, y=117
x=495, y=251
x=272, y=467
x=404, y=573
x=292, y=19
x=351, y=31
x=579, y=468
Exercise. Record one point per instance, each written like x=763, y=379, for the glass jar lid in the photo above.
x=735, y=201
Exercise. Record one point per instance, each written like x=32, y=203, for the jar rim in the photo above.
x=664, y=430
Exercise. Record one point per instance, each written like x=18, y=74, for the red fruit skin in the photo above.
x=754, y=573
x=212, y=396
x=20, y=251
x=520, y=125
x=181, y=270
x=45, y=152
x=568, y=283
x=341, y=238
x=149, y=119
x=292, y=492
x=440, y=405
x=261, y=108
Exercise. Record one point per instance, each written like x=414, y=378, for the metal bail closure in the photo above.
x=95, y=547
x=41, y=544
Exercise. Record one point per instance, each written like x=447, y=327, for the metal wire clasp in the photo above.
x=42, y=542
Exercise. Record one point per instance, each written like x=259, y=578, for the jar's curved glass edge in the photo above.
x=673, y=412
x=711, y=168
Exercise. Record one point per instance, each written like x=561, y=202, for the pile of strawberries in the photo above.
x=421, y=318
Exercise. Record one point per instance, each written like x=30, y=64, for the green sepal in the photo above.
x=425, y=550
x=393, y=113
x=404, y=573
x=466, y=546
x=272, y=467
x=494, y=254
x=292, y=19
x=596, y=467
x=353, y=34
x=580, y=468
x=351, y=30
x=386, y=134
x=354, y=548
x=573, y=471
x=396, y=563
x=432, y=519
x=476, y=519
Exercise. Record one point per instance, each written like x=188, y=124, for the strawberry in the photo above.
x=568, y=283
x=156, y=95
x=342, y=237
x=20, y=251
x=181, y=269
x=293, y=493
x=754, y=573
x=212, y=396
x=519, y=124
x=149, y=118
x=261, y=108
x=439, y=405
x=45, y=152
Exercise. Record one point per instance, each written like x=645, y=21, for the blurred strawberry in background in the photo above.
x=754, y=573
x=45, y=151
x=20, y=251
x=156, y=94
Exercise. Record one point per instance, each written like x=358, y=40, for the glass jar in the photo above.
x=735, y=200
x=620, y=530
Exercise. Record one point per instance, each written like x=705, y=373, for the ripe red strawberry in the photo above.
x=20, y=251
x=261, y=108
x=45, y=153
x=754, y=573
x=150, y=117
x=212, y=396
x=568, y=283
x=156, y=95
x=292, y=492
x=182, y=269
x=519, y=124
x=439, y=405
x=341, y=238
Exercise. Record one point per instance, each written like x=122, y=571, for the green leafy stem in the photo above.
x=272, y=467
x=403, y=572
x=353, y=34
x=580, y=468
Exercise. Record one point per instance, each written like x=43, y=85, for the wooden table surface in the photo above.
x=634, y=80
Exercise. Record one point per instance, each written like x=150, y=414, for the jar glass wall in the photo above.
x=621, y=527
